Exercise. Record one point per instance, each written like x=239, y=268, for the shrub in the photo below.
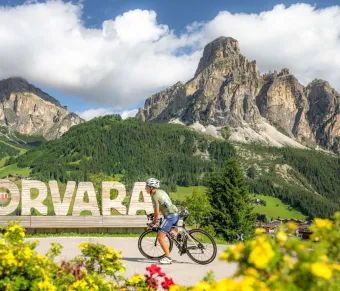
x=283, y=263
x=97, y=268
x=264, y=263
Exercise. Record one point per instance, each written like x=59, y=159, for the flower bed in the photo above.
x=282, y=263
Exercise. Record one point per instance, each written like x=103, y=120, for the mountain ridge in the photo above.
x=228, y=91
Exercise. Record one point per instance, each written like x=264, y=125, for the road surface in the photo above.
x=183, y=271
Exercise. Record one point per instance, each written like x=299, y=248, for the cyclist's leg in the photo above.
x=164, y=228
x=172, y=229
x=162, y=242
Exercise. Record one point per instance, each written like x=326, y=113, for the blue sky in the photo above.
x=78, y=92
x=176, y=13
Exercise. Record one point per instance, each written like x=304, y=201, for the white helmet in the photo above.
x=153, y=183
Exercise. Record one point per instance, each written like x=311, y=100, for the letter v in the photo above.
x=61, y=207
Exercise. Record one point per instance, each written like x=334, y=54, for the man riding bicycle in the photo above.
x=162, y=204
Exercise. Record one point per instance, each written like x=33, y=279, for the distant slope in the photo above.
x=274, y=209
x=305, y=179
x=13, y=145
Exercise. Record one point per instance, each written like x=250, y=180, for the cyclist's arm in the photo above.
x=156, y=215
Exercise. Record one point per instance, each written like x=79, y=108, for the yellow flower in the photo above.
x=45, y=285
x=109, y=256
x=326, y=223
x=246, y=284
x=136, y=279
x=224, y=256
x=301, y=247
x=202, y=286
x=10, y=259
x=225, y=285
x=289, y=261
x=81, y=284
x=324, y=258
x=236, y=251
x=174, y=288
x=292, y=225
x=261, y=253
x=251, y=272
x=27, y=253
x=336, y=267
x=281, y=236
x=321, y=270
x=273, y=278
x=83, y=245
x=260, y=230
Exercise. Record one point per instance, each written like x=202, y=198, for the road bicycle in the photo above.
x=196, y=243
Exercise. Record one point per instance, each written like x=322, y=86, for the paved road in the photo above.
x=183, y=270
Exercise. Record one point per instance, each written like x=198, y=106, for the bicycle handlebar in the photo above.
x=150, y=216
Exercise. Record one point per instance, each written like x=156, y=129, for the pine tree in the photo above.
x=230, y=200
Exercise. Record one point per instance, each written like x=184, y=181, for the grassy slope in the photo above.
x=184, y=192
x=13, y=169
x=275, y=208
x=22, y=148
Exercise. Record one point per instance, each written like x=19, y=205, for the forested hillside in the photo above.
x=129, y=148
x=133, y=151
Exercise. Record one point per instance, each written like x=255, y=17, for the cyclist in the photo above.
x=162, y=204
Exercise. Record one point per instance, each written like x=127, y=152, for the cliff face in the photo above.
x=324, y=114
x=28, y=110
x=221, y=93
x=227, y=90
x=283, y=102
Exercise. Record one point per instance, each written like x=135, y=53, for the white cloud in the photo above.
x=91, y=113
x=132, y=56
x=121, y=64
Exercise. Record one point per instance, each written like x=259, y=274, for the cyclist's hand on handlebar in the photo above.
x=150, y=216
x=152, y=226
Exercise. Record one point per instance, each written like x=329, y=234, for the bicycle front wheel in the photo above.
x=200, y=246
x=150, y=247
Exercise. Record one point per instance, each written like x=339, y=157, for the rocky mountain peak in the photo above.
x=18, y=84
x=216, y=50
x=284, y=72
x=28, y=110
x=227, y=91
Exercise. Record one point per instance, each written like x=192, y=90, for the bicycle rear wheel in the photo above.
x=150, y=247
x=200, y=246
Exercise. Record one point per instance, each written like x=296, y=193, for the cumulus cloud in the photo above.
x=120, y=64
x=133, y=56
x=91, y=113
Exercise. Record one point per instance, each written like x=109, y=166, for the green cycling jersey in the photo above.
x=160, y=199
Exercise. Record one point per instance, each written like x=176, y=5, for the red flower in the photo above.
x=167, y=283
x=152, y=282
x=153, y=269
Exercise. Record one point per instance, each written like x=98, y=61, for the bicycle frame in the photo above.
x=185, y=233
